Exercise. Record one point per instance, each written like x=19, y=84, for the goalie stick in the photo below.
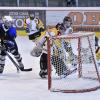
x=17, y=66
x=70, y=72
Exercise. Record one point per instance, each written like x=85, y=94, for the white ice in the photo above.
x=28, y=85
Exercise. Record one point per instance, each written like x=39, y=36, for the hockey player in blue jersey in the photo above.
x=8, y=43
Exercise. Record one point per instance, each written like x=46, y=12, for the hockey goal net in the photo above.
x=72, y=64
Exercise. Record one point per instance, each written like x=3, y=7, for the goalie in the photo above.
x=41, y=49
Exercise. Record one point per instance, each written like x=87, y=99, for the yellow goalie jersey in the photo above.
x=42, y=39
x=49, y=32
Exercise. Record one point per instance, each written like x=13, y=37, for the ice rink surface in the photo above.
x=28, y=85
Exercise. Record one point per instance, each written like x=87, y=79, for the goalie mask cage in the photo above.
x=72, y=64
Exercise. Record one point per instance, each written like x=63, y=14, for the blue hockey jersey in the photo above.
x=9, y=34
x=12, y=32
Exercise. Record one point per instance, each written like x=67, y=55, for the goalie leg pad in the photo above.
x=43, y=61
x=43, y=66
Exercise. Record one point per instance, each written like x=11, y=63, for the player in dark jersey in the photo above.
x=8, y=43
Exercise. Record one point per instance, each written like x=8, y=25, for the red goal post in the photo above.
x=86, y=78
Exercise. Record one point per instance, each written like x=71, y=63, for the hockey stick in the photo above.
x=16, y=65
x=71, y=71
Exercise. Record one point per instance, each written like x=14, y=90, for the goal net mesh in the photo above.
x=72, y=64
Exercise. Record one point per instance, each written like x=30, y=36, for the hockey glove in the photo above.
x=9, y=44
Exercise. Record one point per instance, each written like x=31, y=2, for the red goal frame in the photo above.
x=73, y=36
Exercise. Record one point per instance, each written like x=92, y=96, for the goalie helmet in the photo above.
x=8, y=21
x=67, y=21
